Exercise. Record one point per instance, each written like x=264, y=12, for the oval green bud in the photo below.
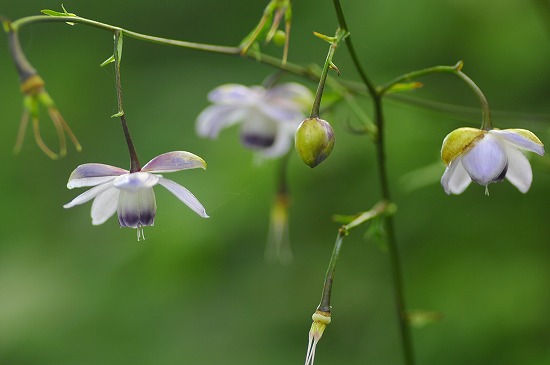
x=279, y=38
x=314, y=141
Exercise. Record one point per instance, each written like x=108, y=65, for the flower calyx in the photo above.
x=320, y=321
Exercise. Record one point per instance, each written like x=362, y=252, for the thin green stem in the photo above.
x=382, y=90
x=381, y=208
x=23, y=66
x=386, y=195
x=324, y=305
x=233, y=51
x=486, y=122
x=16, y=25
x=340, y=34
x=135, y=166
x=343, y=25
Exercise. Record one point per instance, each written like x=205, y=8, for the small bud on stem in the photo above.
x=314, y=141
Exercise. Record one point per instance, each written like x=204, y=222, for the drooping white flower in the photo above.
x=269, y=117
x=131, y=195
x=487, y=156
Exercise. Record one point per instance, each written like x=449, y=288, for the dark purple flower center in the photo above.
x=257, y=141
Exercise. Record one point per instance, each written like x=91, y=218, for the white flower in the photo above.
x=488, y=156
x=269, y=117
x=131, y=195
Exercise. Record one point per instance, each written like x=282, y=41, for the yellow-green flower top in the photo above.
x=458, y=142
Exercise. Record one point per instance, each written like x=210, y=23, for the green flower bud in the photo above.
x=314, y=141
x=279, y=38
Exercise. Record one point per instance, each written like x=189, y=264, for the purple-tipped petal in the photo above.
x=135, y=181
x=233, y=94
x=104, y=206
x=455, y=179
x=258, y=132
x=92, y=174
x=521, y=138
x=217, y=117
x=486, y=161
x=89, y=195
x=174, y=161
x=136, y=209
x=184, y=195
x=519, y=169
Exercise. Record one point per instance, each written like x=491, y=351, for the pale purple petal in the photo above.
x=104, y=206
x=136, y=181
x=136, y=209
x=282, y=143
x=216, y=117
x=174, y=161
x=517, y=139
x=282, y=114
x=92, y=174
x=258, y=132
x=89, y=195
x=455, y=179
x=233, y=94
x=290, y=91
x=519, y=169
x=486, y=161
x=184, y=195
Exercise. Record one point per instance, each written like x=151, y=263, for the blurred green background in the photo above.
x=199, y=291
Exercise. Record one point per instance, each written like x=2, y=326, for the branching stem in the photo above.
x=386, y=195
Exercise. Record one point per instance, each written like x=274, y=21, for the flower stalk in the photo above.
x=334, y=41
x=322, y=316
x=134, y=160
x=486, y=123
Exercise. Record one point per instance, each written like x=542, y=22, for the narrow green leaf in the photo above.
x=109, y=60
x=118, y=47
x=52, y=12
x=400, y=87
x=119, y=114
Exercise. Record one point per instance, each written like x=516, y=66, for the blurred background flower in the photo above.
x=269, y=116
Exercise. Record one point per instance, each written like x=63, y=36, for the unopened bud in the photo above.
x=314, y=141
x=279, y=38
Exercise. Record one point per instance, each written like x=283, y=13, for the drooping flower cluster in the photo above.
x=131, y=195
x=269, y=117
x=488, y=156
